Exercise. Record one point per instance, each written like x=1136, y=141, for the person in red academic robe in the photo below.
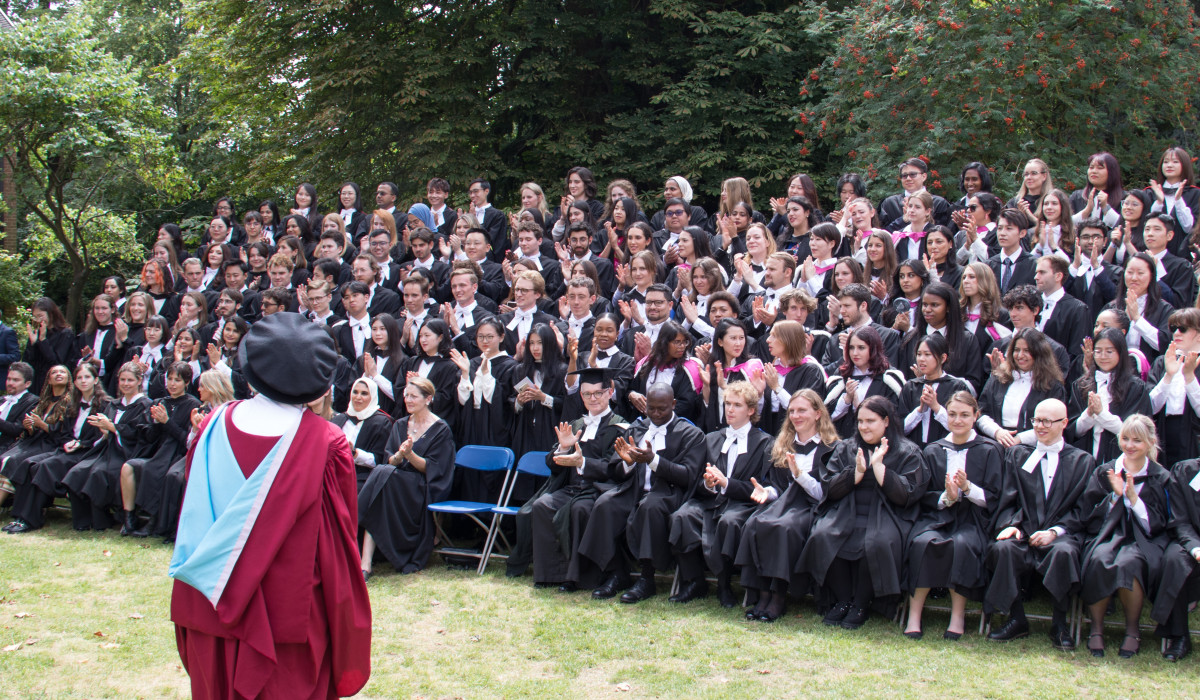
x=268, y=599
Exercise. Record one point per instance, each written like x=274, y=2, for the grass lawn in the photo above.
x=86, y=615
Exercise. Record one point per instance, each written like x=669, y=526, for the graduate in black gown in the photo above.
x=46, y=471
x=668, y=362
x=44, y=429
x=1024, y=376
x=940, y=314
x=485, y=407
x=1040, y=531
x=774, y=535
x=154, y=485
x=947, y=544
x=393, y=505
x=729, y=361
x=657, y=463
x=1140, y=296
x=1106, y=395
x=1175, y=389
x=432, y=361
x=864, y=373
x=706, y=530
x=366, y=427
x=1179, y=584
x=538, y=381
x=94, y=484
x=791, y=369
x=51, y=341
x=382, y=361
x=604, y=354
x=1127, y=511
x=17, y=403
x=923, y=399
x=873, y=485
x=579, y=473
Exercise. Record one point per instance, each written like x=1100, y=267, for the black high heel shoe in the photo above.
x=1098, y=653
x=951, y=636
x=1130, y=653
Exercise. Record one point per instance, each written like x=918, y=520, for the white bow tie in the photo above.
x=735, y=443
x=1050, y=452
x=591, y=425
x=657, y=436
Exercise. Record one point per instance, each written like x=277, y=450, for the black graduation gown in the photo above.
x=1158, y=318
x=1121, y=550
x=12, y=427
x=1176, y=434
x=1136, y=400
x=372, y=437
x=491, y=423
x=157, y=495
x=689, y=402
x=551, y=524
x=1025, y=505
x=1179, y=582
x=775, y=534
x=639, y=517
x=58, y=348
x=807, y=375
x=712, y=416
x=46, y=471
x=393, y=505
x=713, y=522
x=14, y=463
x=984, y=339
x=533, y=425
x=888, y=384
x=1069, y=368
x=910, y=399
x=866, y=520
x=445, y=375
x=946, y=546
x=394, y=372
x=94, y=484
x=991, y=402
x=109, y=354
x=620, y=368
x=965, y=361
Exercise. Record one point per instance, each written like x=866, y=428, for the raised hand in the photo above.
x=703, y=352
x=1131, y=306
x=460, y=360
x=641, y=346
x=564, y=255
x=951, y=487
x=757, y=381
x=564, y=309
x=1115, y=482
x=770, y=377
x=759, y=494
x=997, y=359
x=1190, y=361
x=369, y=368
x=860, y=463
x=566, y=437
x=779, y=204
x=1089, y=354
x=214, y=354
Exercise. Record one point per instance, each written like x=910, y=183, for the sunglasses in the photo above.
x=972, y=207
x=1177, y=329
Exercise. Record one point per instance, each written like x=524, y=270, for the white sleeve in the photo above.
x=1111, y=216
x=987, y=425
x=385, y=385
x=979, y=251
x=811, y=486
x=912, y=420
x=1158, y=395
x=1146, y=331
x=485, y=386
x=1084, y=422
x=1192, y=390
x=464, y=389
x=977, y=495
x=363, y=457
x=1110, y=422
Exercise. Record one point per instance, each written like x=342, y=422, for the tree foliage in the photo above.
x=1005, y=80
x=76, y=125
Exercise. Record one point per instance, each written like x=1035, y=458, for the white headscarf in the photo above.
x=685, y=187
x=372, y=407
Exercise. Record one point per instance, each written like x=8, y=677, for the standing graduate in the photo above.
x=382, y=360
x=774, y=536
x=433, y=362
x=1179, y=584
x=603, y=354
x=485, y=412
x=1175, y=396
x=706, y=530
x=579, y=473
x=947, y=544
x=923, y=399
x=538, y=382
x=941, y=314
x=1126, y=507
x=51, y=341
x=366, y=428
x=856, y=549
x=93, y=485
x=864, y=373
x=268, y=600
x=1140, y=297
x=1040, y=532
x=657, y=464
x=393, y=505
x=1104, y=397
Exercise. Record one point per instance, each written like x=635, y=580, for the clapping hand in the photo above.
x=567, y=438
x=572, y=459
x=760, y=494
x=714, y=479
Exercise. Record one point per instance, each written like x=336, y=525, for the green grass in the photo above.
x=446, y=633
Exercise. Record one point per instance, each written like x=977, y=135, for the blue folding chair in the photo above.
x=480, y=458
x=531, y=463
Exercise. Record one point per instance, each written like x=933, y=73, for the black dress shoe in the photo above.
x=568, y=587
x=691, y=591
x=130, y=525
x=366, y=575
x=836, y=614
x=951, y=636
x=915, y=635
x=1013, y=629
x=768, y=616
x=610, y=588
x=9, y=526
x=1177, y=648
x=726, y=597
x=753, y=614
x=856, y=617
x=1060, y=637
x=18, y=527
x=1125, y=653
x=644, y=588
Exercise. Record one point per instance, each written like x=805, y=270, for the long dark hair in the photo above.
x=1113, y=188
x=589, y=182
x=1153, y=293
x=954, y=317
x=305, y=228
x=659, y=356
x=877, y=365
x=588, y=219
x=394, y=351
x=985, y=177
x=918, y=268
x=99, y=397
x=1046, y=372
x=357, y=196
x=272, y=207
x=551, y=365
x=176, y=235
x=54, y=315
x=630, y=206
x=884, y=408
x=701, y=243
x=445, y=342
x=722, y=329
x=1122, y=375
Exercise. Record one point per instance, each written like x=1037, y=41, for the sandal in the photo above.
x=1130, y=653
x=1098, y=653
x=366, y=575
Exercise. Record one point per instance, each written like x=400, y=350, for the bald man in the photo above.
x=1038, y=524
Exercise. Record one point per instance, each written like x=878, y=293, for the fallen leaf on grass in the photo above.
x=30, y=642
x=435, y=601
x=23, y=615
x=13, y=647
x=58, y=563
x=107, y=553
x=109, y=645
x=441, y=631
x=136, y=616
x=763, y=671
x=623, y=687
x=98, y=634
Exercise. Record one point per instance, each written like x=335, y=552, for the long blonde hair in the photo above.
x=988, y=292
x=787, y=433
x=1046, y=188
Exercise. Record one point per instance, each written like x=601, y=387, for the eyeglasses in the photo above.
x=593, y=394
x=1084, y=236
x=1032, y=173
x=909, y=175
x=675, y=212
x=1047, y=422
x=485, y=338
x=475, y=190
x=523, y=290
x=656, y=302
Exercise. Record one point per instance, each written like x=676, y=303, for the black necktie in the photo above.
x=1006, y=275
